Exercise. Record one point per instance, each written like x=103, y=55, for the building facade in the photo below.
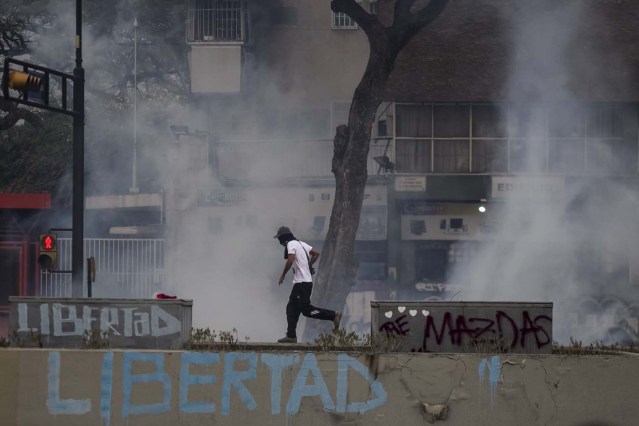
x=504, y=157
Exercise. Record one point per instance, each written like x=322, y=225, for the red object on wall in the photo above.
x=25, y=201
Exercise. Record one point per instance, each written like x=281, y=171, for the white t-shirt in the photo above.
x=301, y=270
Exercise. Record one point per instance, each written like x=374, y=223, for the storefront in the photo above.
x=439, y=224
x=20, y=223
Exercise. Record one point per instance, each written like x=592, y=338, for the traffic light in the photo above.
x=48, y=251
x=24, y=82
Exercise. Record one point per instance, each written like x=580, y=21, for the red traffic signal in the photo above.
x=48, y=251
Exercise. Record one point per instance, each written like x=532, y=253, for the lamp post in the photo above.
x=77, y=244
x=134, y=187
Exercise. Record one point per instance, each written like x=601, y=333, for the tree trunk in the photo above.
x=338, y=267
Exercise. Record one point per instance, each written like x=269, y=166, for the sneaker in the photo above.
x=337, y=320
x=287, y=340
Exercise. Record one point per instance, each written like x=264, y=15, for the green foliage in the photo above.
x=162, y=82
x=207, y=339
x=577, y=347
x=495, y=345
x=336, y=340
x=95, y=339
x=29, y=339
x=35, y=159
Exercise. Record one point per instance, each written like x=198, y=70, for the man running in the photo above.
x=301, y=257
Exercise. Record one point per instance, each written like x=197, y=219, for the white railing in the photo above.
x=125, y=268
x=286, y=159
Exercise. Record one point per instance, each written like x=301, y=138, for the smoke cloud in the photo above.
x=574, y=251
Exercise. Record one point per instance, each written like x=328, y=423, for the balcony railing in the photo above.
x=275, y=160
x=216, y=21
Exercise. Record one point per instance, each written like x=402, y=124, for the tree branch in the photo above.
x=12, y=30
x=402, y=10
x=406, y=26
x=367, y=22
x=428, y=14
x=15, y=114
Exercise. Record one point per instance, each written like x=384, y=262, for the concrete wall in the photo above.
x=458, y=327
x=72, y=387
x=123, y=323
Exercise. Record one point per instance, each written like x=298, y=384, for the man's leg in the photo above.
x=293, y=310
x=309, y=310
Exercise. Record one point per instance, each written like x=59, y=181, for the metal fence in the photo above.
x=126, y=268
x=216, y=20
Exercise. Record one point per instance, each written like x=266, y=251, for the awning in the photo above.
x=25, y=201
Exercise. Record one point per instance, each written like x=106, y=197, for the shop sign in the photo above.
x=410, y=183
x=536, y=187
x=208, y=198
x=443, y=221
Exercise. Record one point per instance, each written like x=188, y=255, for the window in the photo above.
x=490, y=155
x=344, y=22
x=451, y=121
x=488, y=122
x=527, y=134
x=518, y=138
x=412, y=156
x=372, y=7
x=414, y=120
x=414, y=130
x=431, y=262
x=607, y=150
x=451, y=145
x=217, y=20
x=451, y=156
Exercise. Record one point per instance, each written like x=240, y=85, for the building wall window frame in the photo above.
x=341, y=21
x=217, y=21
x=515, y=138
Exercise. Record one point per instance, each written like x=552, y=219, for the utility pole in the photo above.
x=134, y=187
x=77, y=245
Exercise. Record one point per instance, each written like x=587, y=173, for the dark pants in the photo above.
x=300, y=303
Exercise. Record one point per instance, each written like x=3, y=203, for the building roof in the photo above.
x=514, y=50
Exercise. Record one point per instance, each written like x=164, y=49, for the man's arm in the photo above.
x=314, y=256
x=289, y=262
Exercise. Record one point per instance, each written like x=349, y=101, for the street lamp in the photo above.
x=134, y=187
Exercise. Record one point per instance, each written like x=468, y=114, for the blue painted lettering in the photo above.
x=106, y=388
x=54, y=403
x=129, y=379
x=301, y=389
x=276, y=364
x=345, y=363
x=187, y=379
x=233, y=378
